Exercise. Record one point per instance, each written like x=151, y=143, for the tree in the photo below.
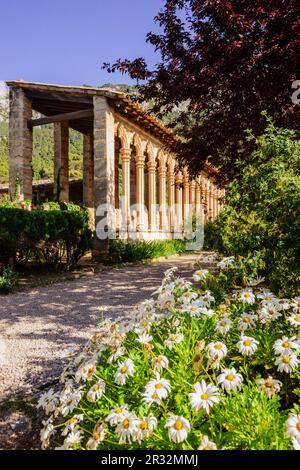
x=222, y=63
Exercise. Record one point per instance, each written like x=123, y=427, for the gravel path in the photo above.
x=37, y=325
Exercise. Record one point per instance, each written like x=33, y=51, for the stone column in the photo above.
x=215, y=202
x=88, y=174
x=193, y=195
x=171, y=188
x=104, y=180
x=140, y=164
x=209, y=199
x=198, y=199
x=178, y=200
x=204, y=197
x=20, y=145
x=61, y=161
x=125, y=157
x=162, y=173
x=152, y=194
x=186, y=200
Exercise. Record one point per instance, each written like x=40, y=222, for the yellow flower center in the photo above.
x=246, y=320
x=268, y=384
x=178, y=425
x=247, y=295
x=119, y=411
x=286, y=360
x=143, y=425
x=159, y=385
x=222, y=323
x=298, y=426
x=144, y=324
x=126, y=423
x=247, y=342
x=204, y=396
x=96, y=436
x=159, y=359
x=193, y=309
x=72, y=420
x=117, y=336
x=173, y=338
x=230, y=377
x=207, y=448
x=69, y=402
x=124, y=369
x=267, y=299
x=96, y=387
x=297, y=318
x=285, y=344
x=218, y=346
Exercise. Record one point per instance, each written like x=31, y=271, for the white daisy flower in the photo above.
x=48, y=401
x=160, y=362
x=178, y=428
x=285, y=344
x=268, y=313
x=96, y=391
x=270, y=386
x=294, y=318
x=230, y=380
x=98, y=436
x=267, y=297
x=119, y=352
x=72, y=423
x=85, y=372
x=206, y=444
x=246, y=321
x=70, y=402
x=193, y=309
x=295, y=304
x=72, y=439
x=46, y=432
x=287, y=362
x=145, y=427
x=226, y=262
x=296, y=443
x=143, y=327
x=149, y=399
x=247, y=297
x=188, y=296
x=144, y=338
x=206, y=299
x=223, y=325
x=125, y=369
x=160, y=386
x=117, y=415
x=127, y=428
x=200, y=274
x=173, y=339
x=204, y=396
x=216, y=350
x=293, y=426
x=247, y=345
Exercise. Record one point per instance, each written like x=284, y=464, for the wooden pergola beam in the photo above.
x=84, y=113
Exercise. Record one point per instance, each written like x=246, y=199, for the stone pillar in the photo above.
x=178, y=200
x=209, y=199
x=140, y=165
x=162, y=173
x=152, y=194
x=20, y=145
x=215, y=202
x=186, y=200
x=88, y=174
x=171, y=189
x=104, y=181
x=198, y=200
x=193, y=196
x=61, y=161
x=204, y=197
x=125, y=157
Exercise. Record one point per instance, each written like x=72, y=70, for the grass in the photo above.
x=124, y=252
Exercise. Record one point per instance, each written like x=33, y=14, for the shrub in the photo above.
x=191, y=369
x=8, y=280
x=123, y=252
x=57, y=237
x=262, y=211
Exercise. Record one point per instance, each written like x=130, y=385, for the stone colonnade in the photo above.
x=125, y=167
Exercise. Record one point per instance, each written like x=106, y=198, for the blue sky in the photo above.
x=66, y=41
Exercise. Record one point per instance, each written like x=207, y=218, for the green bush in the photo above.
x=126, y=252
x=8, y=280
x=56, y=237
x=262, y=212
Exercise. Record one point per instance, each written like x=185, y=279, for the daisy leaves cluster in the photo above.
x=203, y=365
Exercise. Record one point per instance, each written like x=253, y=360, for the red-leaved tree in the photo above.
x=221, y=63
